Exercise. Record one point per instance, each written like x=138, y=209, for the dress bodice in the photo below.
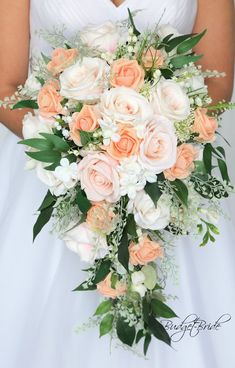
x=75, y=14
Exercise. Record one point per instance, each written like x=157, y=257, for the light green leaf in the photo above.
x=106, y=324
x=104, y=307
x=150, y=277
x=188, y=44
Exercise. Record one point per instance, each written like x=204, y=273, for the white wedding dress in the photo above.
x=38, y=311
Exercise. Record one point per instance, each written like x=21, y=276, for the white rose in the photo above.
x=147, y=215
x=125, y=104
x=159, y=147
x=104, y=37
x=85, y=80
x=166, y=29
x=32, y=86
x=169, y=99
x=88, y=244
x=33, y=125
x=55, y=185
x=138, y=279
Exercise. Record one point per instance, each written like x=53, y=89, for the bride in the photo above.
x=38, y=312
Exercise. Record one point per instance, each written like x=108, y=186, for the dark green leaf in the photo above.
x=160, y=309
x=123, y=251
x=158, y=330
x=139, y=336
x=83, y=203
x=48, y=201
x=59, y=143
x=131, y=225
x=205, y=239
x=174, y=42
x=40, y=80
x=114, y=280
x=179, y=61
x=26, y=104
x=104, y=307
x=79, y=107
x=180, y=190
x=188, y=44
x=135, y=30
x=223, y=170
x=53, y=166
x=42, y=220
x=146, y=309
x=45, y=156
x=82, y=287
x=102, y=271
x=221, y=151
x=167, y=73
x=125, y=332
x=38, y=143
x=152, y=189
x=67, y=46
x=147, y=341
x=106, y=324
x=207, y=158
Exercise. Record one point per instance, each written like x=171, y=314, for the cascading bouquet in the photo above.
x=123, y=134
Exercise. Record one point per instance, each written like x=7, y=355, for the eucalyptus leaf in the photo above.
x=179, y=61
x=37, y=143
x=123, y=251
x=48, y=201
x=135, y=30
x=223, y=170
x=42, y=220
x=147, y=341
x=188, y=44
x=45, y=156
x=152, y=189
x=207, y=158
x=84, y=287
x=59, y=143
x=180, y=190
x=83, y=203
x=131, y=225
x=102, y=271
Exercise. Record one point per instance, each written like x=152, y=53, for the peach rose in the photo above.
x=144, y=252
x=152, y=58
x=127, y=73
x=53, y=83
x=100, y=217
x=85, y=120
x=128, y=144
x=61, y=59
x=204, y=125
x=49, y=101
x=99, y=177
x=184, y=165
x=104, y=287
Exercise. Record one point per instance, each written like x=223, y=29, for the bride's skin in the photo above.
x=218, y=46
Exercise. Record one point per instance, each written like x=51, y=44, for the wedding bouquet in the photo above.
x=123, y=135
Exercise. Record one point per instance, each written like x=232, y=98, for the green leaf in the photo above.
x=46, y=59
x=147, y=341
x=135, y=30
x=79, y=107
x=158, y=330
x=102, y=271
x=26, y=104
x=223, y=170
x=42, y=220
x=82, y=287
x=83, y=203
x=53, y=166
x=188, y=44
x=145, y=309
x=85, y=137
x=179, y=61
x=45, y=156
x=180, y=190
x=125, y=332
x=205, y=239
x=123, y=251
x=40, y=80
x=160, y=309
x=114, y=280
x=38, y=143
x=207, y=158
x=152, y=189
x=174, y=42
x=139, y=336
x=131, y=225
x=59, y=143
x=106, y=324
x=104, y=307
x=49, y=200
x=214, y=229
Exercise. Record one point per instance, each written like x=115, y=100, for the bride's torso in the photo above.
x=75, y=14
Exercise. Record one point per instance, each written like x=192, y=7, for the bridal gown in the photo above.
x=38, y=311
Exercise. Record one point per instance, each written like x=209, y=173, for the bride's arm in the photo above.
x=218, y=45
x=14, y=56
